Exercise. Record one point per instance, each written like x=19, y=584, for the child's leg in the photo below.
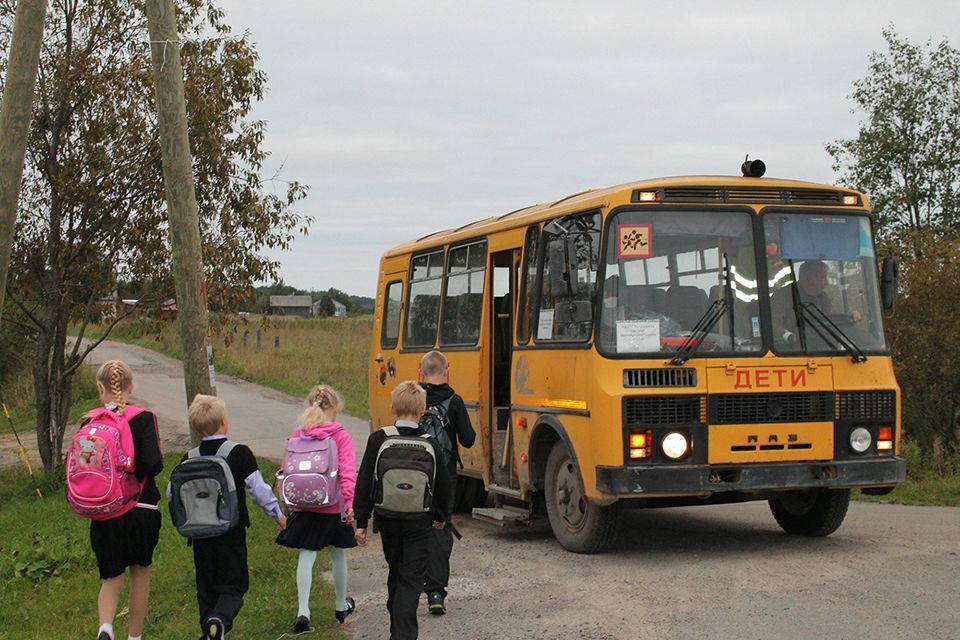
x=338, y=558
x=109, y=598
x=305, y=581
x=139, y=595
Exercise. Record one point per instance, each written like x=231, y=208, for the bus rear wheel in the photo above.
x=814, y=513
x=579, y=525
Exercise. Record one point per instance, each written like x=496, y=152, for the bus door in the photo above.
x=502, y=307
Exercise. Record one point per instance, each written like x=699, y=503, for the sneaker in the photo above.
x=302, y=624
x=342, y=615
x=435, y=600
x=103, y=635
x=214, y=629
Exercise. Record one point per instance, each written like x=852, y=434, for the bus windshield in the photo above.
x=822, y=272
x=668, y=270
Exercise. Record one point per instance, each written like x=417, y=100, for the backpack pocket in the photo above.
x=201, y=499
x=405, y=491
x=308, y=491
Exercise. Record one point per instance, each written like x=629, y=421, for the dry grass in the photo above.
x=311, y=351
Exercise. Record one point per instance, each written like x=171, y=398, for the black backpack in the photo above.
x=436, y=422
x=405, y=472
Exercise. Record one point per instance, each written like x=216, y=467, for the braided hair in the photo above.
x=117, y=377
x=323, y=404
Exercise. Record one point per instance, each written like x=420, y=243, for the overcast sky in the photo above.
x=410, y=117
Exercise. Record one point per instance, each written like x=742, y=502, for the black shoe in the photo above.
x=103, y=635
x=435, y=600
x=213, y=627
x=342, y=615
x=302, y=624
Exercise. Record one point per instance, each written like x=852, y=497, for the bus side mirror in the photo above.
x=889, y=281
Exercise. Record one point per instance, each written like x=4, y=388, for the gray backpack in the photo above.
x=405, y=472
x=203, y=494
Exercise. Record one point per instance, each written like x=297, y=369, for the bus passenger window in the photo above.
x=426, y=277
x=463, y=301
x=391, y=315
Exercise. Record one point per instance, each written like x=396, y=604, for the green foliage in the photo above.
x=49, y=582
x=92, y=209
x=907, y=152
x=925, y=336
x=932, y=478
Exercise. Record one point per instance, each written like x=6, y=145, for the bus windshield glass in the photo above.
x=668, y=273
x=822, y=276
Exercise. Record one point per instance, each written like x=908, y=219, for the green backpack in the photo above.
x=405, y=472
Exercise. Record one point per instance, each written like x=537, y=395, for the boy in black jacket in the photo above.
x=405, y=542
x=221, y=561
x=434, y=378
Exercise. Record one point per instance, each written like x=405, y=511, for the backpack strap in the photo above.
x=225, y=449
x=391, y=430
x=194, y=453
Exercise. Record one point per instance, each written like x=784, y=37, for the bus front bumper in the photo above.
x=708, y=479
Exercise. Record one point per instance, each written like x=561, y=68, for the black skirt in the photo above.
x=125, y=541
x=314, y=531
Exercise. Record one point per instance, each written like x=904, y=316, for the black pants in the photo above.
x=441, y=546
x=405, y=547
x=222, y=576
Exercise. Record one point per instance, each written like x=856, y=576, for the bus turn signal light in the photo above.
x=640, y=442
x=885, y=433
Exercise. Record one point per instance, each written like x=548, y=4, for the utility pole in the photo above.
x=181, y=198
x=15, y=116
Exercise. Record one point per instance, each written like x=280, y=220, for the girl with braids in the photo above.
x=330, y=527
x=128, y=540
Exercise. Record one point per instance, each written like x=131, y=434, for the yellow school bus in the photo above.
x=674, y=341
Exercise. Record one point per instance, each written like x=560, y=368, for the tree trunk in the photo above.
x=15, y=116
x=181, y=197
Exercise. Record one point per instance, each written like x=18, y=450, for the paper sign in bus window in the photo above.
x=636, y=241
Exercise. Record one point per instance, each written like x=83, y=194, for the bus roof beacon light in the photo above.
x=753, y=168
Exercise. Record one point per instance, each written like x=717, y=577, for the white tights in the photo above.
x=338, y=558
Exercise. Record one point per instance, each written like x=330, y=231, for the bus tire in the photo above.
x=814, y=513
x=579, y=525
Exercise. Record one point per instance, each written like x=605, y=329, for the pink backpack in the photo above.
x=309, y=477
x=100, y=475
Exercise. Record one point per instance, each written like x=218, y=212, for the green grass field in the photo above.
x=49, y=581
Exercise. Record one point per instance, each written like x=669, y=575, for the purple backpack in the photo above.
x=309, y=479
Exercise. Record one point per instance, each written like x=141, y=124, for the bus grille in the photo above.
x=653, y=410
x=638, y=378
x=758, y=408
x=749, y=195
x=866, y=405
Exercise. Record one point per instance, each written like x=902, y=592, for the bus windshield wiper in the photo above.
x=707, y=322
x=815, y=316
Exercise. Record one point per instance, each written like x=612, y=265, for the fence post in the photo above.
x=276, y=342
x=258, y=339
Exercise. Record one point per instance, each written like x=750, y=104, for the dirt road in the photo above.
x=711, y=572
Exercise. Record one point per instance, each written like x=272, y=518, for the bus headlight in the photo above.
x=860, y=439
x=675, y=445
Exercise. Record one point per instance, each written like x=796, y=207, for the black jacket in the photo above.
x=363, y=495
x=460, y=425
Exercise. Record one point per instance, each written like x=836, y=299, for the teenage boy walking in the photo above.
x=435, y=379
x=406, y=540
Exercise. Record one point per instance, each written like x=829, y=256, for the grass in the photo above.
x=334, y=351
x=932, y=479
x=49, y=581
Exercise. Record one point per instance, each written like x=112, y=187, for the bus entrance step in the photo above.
x=502, y=516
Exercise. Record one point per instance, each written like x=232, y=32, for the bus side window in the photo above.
x=423, y=307
x=390, y=330
x=529, y=291
x=463, y=298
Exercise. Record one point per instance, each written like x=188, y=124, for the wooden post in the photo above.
x=15, y=116
x=181, y=197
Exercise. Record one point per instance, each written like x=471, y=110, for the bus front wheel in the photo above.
x=814, y=513
x=579, y=525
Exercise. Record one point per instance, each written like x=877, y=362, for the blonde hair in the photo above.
x=206, y=414
x=408, y=399
x=116, y=376
x=433, y=363
x=322, y=403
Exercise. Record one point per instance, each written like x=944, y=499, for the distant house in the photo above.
x=339, y=309
x=300, y=306
x=134, y=308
